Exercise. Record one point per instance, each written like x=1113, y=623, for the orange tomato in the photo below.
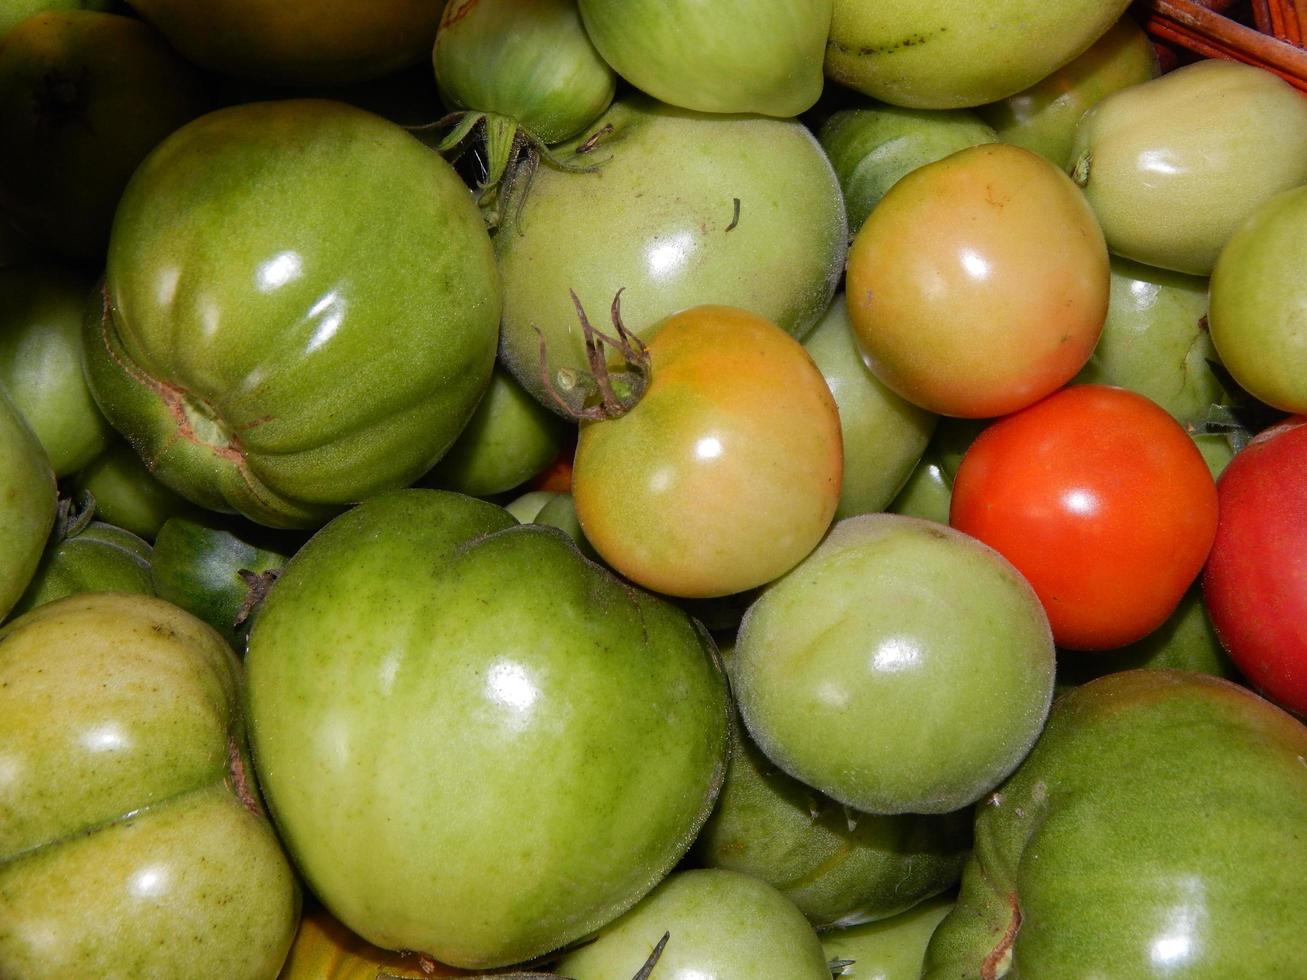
x=726, y=472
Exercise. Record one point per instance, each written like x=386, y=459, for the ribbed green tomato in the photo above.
x=300, y=310
x=686, y=209
x=761, y=56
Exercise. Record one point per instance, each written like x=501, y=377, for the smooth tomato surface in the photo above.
x=1101, y=500
x=727, y=471
x=1255, y=584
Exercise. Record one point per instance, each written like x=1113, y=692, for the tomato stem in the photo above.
x=603, y=392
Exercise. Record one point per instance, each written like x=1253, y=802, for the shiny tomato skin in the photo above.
x=1255, y=583
x=727, y=471
x=1101, y=500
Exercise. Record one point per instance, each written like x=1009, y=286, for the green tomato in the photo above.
x=762, y=56
x=839, y=866
x=215, y=574
x=884, y=435
x=27, y=503
x=956, y=53
x=298, y=42
x=871, y=148
x=863, y=671
x=528, y=506
x=1155, y=830
x=1155, y=341
x=86, y=95
x=263, y=370
x=686, y=209
x=510, y=438
x=133, y=843
x=15, y=11
x=719, y=925
x=1258, y=293
x=1173, y=166
x=1043, y=117
x=97, y=558
x=127, y=495
x=41, y=312
x=929, y=490
x=476, y=743
x=529, y=60
x=891, y=949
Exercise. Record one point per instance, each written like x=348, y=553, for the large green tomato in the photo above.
x=41, y=311
x=862, y=672
x=132, y=842
x=27, y=503
x=476, y=743
x=298, y=42
x=1156, y=830
x=950, y=54
x=300, y=310
x=1173, y=166
x=1258, y=297
x=686, y=209
x=761, y=56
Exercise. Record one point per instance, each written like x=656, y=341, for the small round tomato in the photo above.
x=1101, y=500
x=726, y=472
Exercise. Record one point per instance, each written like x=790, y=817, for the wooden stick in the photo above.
x=1199, y=29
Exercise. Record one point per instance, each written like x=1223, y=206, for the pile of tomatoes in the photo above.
x=648, y=489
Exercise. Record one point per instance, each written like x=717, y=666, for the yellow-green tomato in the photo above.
x=891, y=949
x=1043, y=117
x=950, y=54
x=1259, y=303
x=980, y=282
x=1172, y=167
x=883, y=434
x=41, y=310
x=726, y=472
x=27, y=503
x=736, y=56
x=863, y=672
x=134, y=843
x=720, y=925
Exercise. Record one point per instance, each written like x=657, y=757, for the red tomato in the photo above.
x=1101, y=500
x=1256, y=580
x=726, y=473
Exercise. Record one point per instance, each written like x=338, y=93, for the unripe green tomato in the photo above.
x=509, y=439
x=871, y=148
x=530, y=60
x=27, y=503
x=686, y=209
x=1155, y=341
x=1043, y=117
x=262, y=372
x=133, y=844
x=1174, y=166
x=863, y=671
x=127, y=495
x=951, y=54
x=719, y=925
x=891, y=949
x=86, y=96
x=97, y=558
x=15, y=11
x=1258, y=297
x=41, y=310
x=728, y=56
x=883, y=434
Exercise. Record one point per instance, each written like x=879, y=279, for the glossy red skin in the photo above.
x=1101, y=500
x=1255, y=583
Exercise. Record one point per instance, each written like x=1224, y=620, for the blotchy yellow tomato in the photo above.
x=979, y=283
x=726, y=473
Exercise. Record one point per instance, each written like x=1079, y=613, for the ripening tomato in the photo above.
x=1101, y=500
x=726, y=472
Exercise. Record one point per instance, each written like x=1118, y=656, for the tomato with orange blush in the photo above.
x=1101, y=500
x=726, y=471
